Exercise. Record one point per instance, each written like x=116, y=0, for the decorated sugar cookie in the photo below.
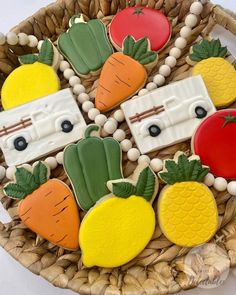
x=214, y=141
x=169, y=114
x=187, y=209
x=89, y=164
x=124, y=74
x=85, y=45
x=218, y=74
x=140, y=22
x=47, y=206
x=40, y=127
x=35, y=78
x=120, y=226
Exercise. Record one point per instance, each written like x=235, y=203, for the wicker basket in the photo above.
x=160, y=268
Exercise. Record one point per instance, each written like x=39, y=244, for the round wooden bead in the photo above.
x=74, y=80
x=12, y=38
x=87, y=105
x=78, y=88
x=126, y=145
x=220, y=184
x=23, y=39
x=27, y=167
x=110, y=126
x=2, y=39
x=64, y=65
x=33, y=41
x=185, y=32
x=231, y=188
x=100, y=119
x=180, y=42
x=114, y=121
x=40, y=44
x=59, y=158
x=151, y=86
x=196, y=8
x=159, y=79
x=191, y=20
x=51, y=162
x=165, y=70
x=68, y=73
x=144, y=159
x=170, y=61
x=119, y=116
x=142, y=92
x=209, y=179
x=175, y=52
x=83, y=97
x=119, y=135
x=10, y=172
x=133, y=154
x=2, y=172
x=92, y=113
x=156, y=164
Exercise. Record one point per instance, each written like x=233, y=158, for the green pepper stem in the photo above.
x=90, y=129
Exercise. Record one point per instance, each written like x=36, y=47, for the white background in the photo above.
x=14, y=279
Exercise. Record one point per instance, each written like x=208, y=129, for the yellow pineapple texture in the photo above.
x=187, y=209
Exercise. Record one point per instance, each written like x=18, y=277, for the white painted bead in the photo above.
x=180, y=42
x=159, y=79
x=191, y=20
x=27, y=167
x=2, y=39
x=144, y=159
x=74, y=80
x=87, y=105
x=51, y=162
x=64, y=65
x=220, y=184
x=156, y=164
x=68, y=73
x=165, y=70
x=92, y=113
x=196, y=8
x=40, y=43
x=209, y=179
x=119, y=135
x=133, y=154
x=33, y=41
x=170, y=61
x=23, y=39
x=78, y=88
x=151, y=86
x=100, y=119
x=142, y=92
x=59, y=158
x=113, y=120
x=231, y=188
x=175, y=52
x=2, y=172
x=126, y=145
x=83, y=97
x=10, y=172
x=185, y=32
x=119, y=116
x=12, y=38
x=110, y=127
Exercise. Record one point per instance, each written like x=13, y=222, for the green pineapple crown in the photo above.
x=27, y=182
x=45, y=55
x=206, y=49
x=183, y=170
x=139, y=50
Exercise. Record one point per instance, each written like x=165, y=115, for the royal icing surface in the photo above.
x=48, y=207
x=214, y=141
x=42, y=126
x=35, y=78
x=169, y=114
x=90, y=164
x=123, y=74
x=85, y=45
x=140, y=22
x=119, y=227
x=187, y=210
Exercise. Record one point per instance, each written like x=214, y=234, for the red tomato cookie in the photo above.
x=214, y=141
x=140, y=22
